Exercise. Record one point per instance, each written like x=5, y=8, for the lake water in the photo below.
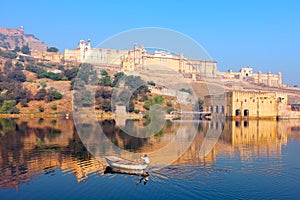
x=46, y=159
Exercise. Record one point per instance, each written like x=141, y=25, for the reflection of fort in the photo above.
x=38, y=147
x=247, y=139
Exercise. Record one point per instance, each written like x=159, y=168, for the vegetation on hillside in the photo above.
x=129, y=91
x=52, y=49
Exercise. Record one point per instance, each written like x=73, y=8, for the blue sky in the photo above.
x=264, y=35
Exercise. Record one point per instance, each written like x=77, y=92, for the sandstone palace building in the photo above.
x=138, y=58
x=246, y=74
x=249, y=105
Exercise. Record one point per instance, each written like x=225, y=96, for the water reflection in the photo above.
x=38, y=147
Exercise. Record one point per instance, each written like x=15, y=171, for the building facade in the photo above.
x=246, y=74
x=139, y=58
x=246, y=104
x=48, y=56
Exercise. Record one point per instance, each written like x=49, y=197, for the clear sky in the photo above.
x=263, y=34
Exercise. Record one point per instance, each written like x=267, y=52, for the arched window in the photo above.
x=279, y=99
x=237, y=112
x=217, y=109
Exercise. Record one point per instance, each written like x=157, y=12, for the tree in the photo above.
x=151, y=83
x=54, y=106
x=83, y=98
x=105, y=81
x=17, y=49
x=54, y=94
x=7, y=67
x=103, y=93
x=41, y=108
x=52, y=49
x=104, y=73
x=25, y=49
x=41, y=94
x=130, y=106
x=85, y=71
x=158, y=100
x=117, y=77
x=61, y=67
x=134, y=81
x=9, y=107
x=71, y=73
x=16, y=75
x=105, y=105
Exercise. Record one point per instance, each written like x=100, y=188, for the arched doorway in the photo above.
x=237, y=112
x=246, y=113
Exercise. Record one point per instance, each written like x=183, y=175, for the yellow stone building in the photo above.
x=246, y=104
x=246, y=74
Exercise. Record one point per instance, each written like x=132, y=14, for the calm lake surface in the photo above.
x=46, y=159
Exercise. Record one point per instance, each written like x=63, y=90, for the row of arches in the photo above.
x=239, y=113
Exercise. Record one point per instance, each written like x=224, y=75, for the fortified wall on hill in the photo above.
x=12, y=37
x=138, y=58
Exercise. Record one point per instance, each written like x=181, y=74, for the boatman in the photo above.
x=145, y=160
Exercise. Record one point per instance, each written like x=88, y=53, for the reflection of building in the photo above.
x=254, y=138
x=259, y=138
x=39, y=148
x=46, y=146
x=246, y=74
x=237, y=104
x=138, y=57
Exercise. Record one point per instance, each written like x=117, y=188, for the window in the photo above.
x=279, y=99
x=237, y=112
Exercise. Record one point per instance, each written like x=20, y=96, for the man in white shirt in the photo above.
x=145, y=160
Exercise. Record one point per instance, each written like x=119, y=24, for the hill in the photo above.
x=10, y=38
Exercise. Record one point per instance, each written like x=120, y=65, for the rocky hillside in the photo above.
x=10, y=38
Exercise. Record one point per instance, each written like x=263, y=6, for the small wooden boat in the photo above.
x=116, y=162
x=110, y=170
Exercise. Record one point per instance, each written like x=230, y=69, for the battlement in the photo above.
x=12, y=31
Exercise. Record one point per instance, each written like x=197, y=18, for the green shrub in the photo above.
x=54, y=106
x=9, y=107
x=41, y=108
